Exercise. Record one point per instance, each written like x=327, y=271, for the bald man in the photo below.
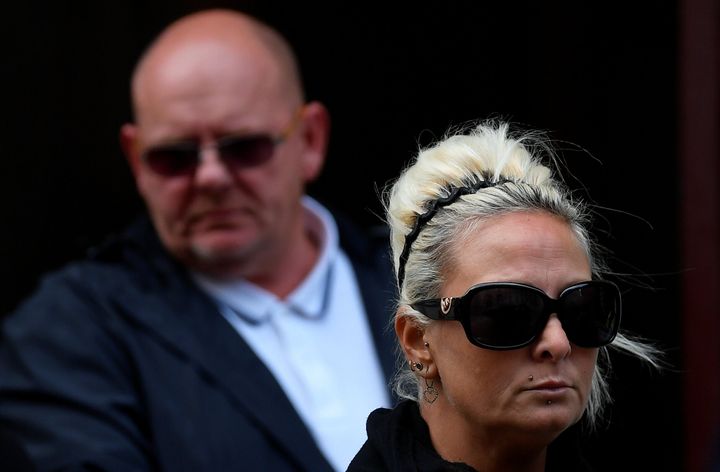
x=239, y=324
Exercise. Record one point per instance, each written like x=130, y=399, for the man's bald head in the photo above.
x=219, y=93
x=185, y=46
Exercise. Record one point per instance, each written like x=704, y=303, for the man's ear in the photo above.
x=412, y=340
x=315, y=130
x=130, y=146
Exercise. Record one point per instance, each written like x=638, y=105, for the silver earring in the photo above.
x=431, y=393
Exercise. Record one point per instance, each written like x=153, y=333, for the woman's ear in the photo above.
x=412, y=340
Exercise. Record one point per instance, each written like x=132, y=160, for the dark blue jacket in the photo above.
x=119, y=363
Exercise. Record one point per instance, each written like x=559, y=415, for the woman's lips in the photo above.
x=550, y=388
x=550, y=385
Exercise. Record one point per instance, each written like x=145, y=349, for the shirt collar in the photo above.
x=308, y=300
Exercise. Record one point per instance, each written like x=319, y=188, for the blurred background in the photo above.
x=629, y=90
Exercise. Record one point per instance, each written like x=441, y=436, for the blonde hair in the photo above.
x=511, y=176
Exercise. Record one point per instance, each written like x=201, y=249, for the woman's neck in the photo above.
x=456, y=440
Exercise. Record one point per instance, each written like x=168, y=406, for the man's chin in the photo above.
x=219, y=250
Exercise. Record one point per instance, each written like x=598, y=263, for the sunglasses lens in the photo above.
x=505, y=317
x=172, y=161
x=242, y=152
x=591, y=314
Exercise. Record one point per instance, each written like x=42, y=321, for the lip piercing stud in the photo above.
x=530, y=378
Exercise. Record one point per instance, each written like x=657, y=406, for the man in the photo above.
x=240, y=326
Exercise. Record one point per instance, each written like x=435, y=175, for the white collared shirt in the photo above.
x=317, y=342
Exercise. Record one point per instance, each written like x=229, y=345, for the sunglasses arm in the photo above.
x=437, y=308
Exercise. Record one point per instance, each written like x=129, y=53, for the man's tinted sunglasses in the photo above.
x=506, y=315
x=237, y=152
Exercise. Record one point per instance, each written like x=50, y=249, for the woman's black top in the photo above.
x=399, y=441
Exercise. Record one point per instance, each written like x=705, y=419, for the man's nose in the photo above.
x=211, y=170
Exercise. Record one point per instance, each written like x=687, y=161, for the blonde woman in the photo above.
x=504, y=317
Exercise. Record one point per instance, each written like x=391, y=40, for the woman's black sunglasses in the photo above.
x=506, y=315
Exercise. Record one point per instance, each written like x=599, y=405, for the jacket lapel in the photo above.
x=370, y=257
x=194, y=329
x=379, y=310
x=173, y=310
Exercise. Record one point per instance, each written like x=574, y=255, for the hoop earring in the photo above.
x=431, y=393
x=416, y=366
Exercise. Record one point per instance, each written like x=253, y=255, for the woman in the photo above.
x=503, y=320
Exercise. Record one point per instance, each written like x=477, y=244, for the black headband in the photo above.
x=421, y=221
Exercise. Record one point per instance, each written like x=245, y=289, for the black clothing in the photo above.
x=13, y=457
x=399, y=441
x=121, y=363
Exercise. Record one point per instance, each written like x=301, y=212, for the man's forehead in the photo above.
x=202, y=59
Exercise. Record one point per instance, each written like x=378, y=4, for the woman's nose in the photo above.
x=552, y=343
